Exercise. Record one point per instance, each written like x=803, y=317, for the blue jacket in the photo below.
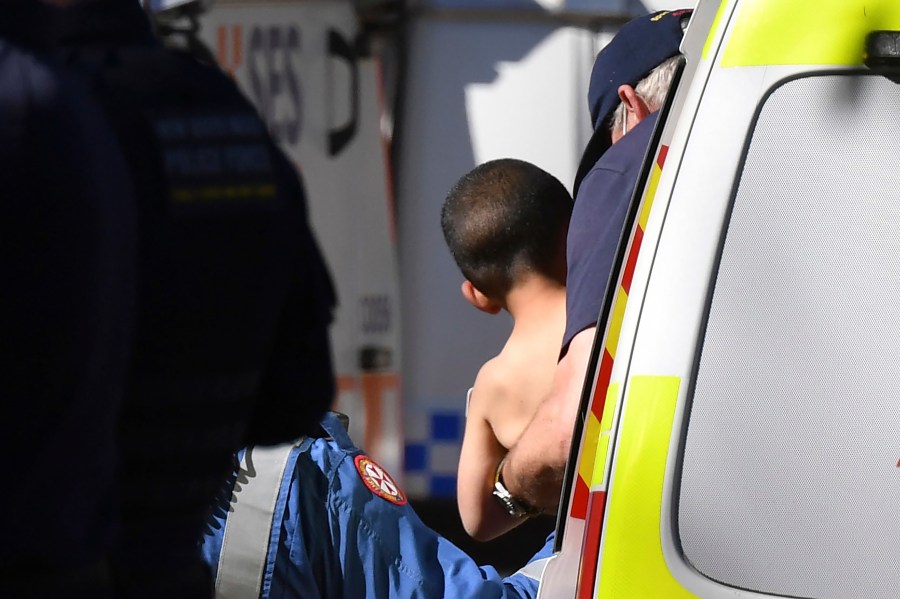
x=341, y=528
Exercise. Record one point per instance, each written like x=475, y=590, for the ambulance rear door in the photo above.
x=745, y=445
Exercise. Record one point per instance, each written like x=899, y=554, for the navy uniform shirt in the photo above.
x=596, y=226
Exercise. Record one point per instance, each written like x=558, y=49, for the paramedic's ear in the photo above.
x=634, y=104
x=478, y=299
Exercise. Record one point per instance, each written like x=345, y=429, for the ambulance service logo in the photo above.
x=379, y=481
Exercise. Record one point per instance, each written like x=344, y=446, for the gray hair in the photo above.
x=652, y=88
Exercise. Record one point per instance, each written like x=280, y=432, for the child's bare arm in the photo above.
x=482, y=517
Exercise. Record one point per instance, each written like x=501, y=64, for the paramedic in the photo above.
x=321, y=519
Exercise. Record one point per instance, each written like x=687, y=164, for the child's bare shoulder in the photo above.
x=490, y=386
x=504, y=395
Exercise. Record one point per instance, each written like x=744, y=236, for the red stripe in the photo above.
x=580, y=499
x=590, y=546
x=599, y=399
x=632, y=258
x=596, y=502
x=661, y=158
x=237, y=37
x=386, y=156
x=221, y=42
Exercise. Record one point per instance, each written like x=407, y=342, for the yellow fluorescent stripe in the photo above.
x=588, y=450
x=821, y=32
x=648, y=198
x=615, y=322
x=713, y=29
x=600, y=460
x=609, y=408
x=601, y=442
x=632, y=563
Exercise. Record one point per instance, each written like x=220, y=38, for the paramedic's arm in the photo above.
x=534, y=470
x=482, y=516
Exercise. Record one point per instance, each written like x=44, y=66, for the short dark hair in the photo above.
x=506, y=218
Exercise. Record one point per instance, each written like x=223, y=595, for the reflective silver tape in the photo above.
x=535, y=570
x=247, y=529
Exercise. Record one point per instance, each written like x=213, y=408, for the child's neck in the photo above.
x=534, y=300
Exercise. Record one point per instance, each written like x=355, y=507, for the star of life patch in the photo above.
x=378, y=480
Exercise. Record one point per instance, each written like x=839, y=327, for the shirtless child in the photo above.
x=505, y=223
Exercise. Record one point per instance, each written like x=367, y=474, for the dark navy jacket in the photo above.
x=596, y=226
x=230, y=326
x=67, y=270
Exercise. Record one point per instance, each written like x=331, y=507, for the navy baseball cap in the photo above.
x=640, y=46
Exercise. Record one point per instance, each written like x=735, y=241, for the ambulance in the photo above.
x=739, y=434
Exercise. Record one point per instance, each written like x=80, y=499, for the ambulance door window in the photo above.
x=790, y=482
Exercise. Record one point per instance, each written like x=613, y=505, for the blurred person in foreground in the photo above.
x=233, y=301
x=67, y=266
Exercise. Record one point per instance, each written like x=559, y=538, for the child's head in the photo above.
x=504, y=220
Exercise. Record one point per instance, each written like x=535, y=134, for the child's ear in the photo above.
x=478, y=299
